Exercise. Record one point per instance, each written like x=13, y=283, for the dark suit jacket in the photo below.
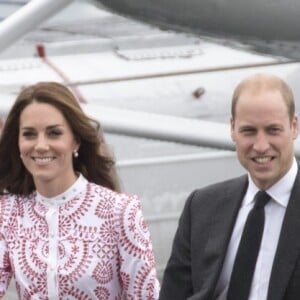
x=203, y=235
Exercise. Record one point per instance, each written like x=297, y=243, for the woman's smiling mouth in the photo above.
x=43, y=160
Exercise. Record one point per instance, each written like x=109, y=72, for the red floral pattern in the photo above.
x=88, y=243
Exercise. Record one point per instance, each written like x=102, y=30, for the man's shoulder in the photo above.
x=221, y=186
x=220, y=190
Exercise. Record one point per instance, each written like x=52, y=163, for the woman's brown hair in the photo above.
x=94, y=165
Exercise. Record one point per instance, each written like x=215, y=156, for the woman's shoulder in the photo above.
x=8, y=205
x=12, y=200
x=7, y=200
x=101, y=190
x=119, y=199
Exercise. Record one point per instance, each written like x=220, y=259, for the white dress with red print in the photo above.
x=87, y=243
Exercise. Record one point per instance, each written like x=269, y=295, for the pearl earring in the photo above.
x=75, y=153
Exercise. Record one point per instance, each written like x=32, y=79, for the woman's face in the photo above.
x=46, y=144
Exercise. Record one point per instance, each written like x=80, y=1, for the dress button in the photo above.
x=51, y=268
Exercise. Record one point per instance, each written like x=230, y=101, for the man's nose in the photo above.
x=261, y=143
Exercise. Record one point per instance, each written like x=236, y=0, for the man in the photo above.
x=263, y=128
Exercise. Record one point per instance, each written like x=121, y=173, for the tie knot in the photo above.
x=261, y=199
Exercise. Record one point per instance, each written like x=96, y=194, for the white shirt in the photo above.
x=274, y=214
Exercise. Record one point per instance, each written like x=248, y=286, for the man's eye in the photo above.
x=247, y=131
x=274, y=130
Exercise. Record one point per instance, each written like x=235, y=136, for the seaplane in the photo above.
x=158, y=77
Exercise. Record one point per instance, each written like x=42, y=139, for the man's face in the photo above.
x=264, y=136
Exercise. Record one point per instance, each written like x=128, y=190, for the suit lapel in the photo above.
x=220, y=229
x=288, y=246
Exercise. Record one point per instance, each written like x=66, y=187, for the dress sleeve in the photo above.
x=136, y=257
x=5, y=268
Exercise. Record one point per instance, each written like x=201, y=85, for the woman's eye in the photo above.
x=28, y=134
x=55, y=133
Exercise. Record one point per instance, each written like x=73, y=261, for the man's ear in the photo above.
x=295, y=126
x=232, y=129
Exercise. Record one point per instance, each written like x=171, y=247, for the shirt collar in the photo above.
x=280, y=191
x=77, y=187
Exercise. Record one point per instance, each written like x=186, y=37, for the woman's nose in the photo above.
x=42, y=144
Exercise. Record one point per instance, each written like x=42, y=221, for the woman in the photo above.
x=64, y=232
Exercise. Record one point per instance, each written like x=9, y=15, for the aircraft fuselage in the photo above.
x=261, y=19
